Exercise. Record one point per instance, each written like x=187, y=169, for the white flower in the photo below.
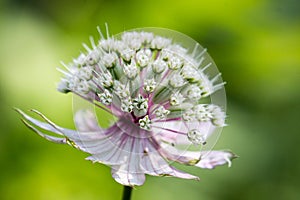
x=202, y=113
x=218, y=116
x=153, y=87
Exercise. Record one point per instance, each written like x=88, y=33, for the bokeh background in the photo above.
x=255, y=44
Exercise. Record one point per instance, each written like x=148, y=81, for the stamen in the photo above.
x=100, y=33
x=205, y=67
x=107, y=30
x=93, y=42
x=195, y=50
x=87, y=48
x=200, y=54
x=216, y=78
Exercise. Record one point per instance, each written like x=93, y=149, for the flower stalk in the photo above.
x=127, y=193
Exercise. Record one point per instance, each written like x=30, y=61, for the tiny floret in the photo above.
x=161, y=112
x=126, y=105
x=143, y=57
x=160, y=42
x=106, y=80
x=188, y=115
x=93, y=58
x=145, y=123
x=176, y=99
x=121, y=90
x=202, y=113
x=109, y=59
x=86, y=73
x=149, y=85
x=190, y=73
x=196, y=137
x=80, y=61
x=105, y=97
x=218, y=116
x=131, y=70
x=177, y=81
x=127, y=54
x=174, y=63
x=194, y=92
x=140, y=106
x=159, y=66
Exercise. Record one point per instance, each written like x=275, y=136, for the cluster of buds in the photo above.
x=137, y=73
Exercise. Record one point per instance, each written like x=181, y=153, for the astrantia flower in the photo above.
x=161, y=97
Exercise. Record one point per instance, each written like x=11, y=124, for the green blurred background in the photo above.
x=255, y=44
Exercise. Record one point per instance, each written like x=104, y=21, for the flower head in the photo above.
x=158, y=92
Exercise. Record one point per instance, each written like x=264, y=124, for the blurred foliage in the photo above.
x=255, y=44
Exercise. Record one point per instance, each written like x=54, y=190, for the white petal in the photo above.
x=154, y=164
x=212, y=159
x=124, y=177
x=86, y=121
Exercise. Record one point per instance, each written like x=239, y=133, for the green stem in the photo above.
x=127, y=192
